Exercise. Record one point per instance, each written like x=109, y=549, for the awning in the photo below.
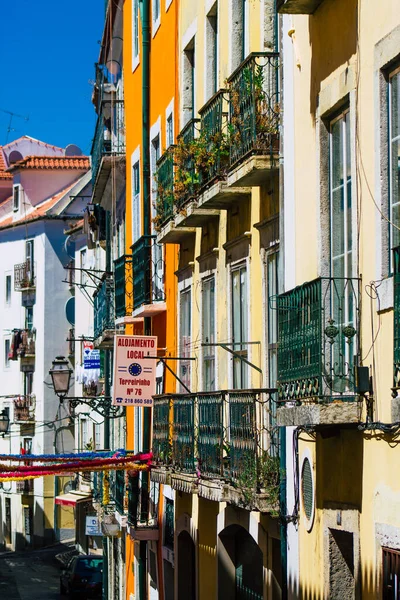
x=72, y=498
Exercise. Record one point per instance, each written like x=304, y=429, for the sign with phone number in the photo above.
x=134, y=370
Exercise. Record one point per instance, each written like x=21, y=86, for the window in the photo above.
x=341, y=241
x=28, y=445
x=208, y=334
x=84, y=434
x=391, y=573
x=7, y=347
x=83, y=260
x=29, y=258
x=272, y=315
x=28, y=383
x=239, y=326
x=97, y=436
x=212, y=51
x=189, y=78
x=156, y=15
x=185, y=327
x=394, y=160
x=135, y=33
x=240, y=32
x=170, y=130
x=8, y=289
x=136, y=213
x=28, y=317
x=16, y=194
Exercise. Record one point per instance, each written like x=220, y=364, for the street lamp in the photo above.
x=4, y=421
x=61, y=376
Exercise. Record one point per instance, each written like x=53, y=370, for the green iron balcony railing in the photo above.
x=119, y=491
x=254, y=106
x=142, y=503
x=186, y=178
x=219, y=434
x=109, y=137
x=123, y=277
x=318, y=340
x=148, y=271
x=103, y=300
x=165, y=188
x=396, y=317
x=213, y=140
x=162, y=443
x=183, y=451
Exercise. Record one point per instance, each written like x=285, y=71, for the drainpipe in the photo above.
x=283, y=511
x=145, y=14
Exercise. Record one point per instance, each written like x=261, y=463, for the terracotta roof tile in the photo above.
x=52, y=162
x=3, y=174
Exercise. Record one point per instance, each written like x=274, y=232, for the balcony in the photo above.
x=318, y=347
x=108, y=146
x=221, y=444
x=148, y=277
x=297, y=7
x=123, y=277
x=24, y=277
x=143, y=508
x=254, y=119
x=24, y=409
x=165, y=188
x=27, y=346
x=25, y=487
x=103, y=302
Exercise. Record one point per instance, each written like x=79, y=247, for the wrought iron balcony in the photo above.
x=216, y=434
x=148, y=271
x=165, y=188
x=297, y=7
x=318, y=341
x=254, y=107
x=27, y=346
x=24, y=408
x=24, y=276
x=109, y=137
x=25, y=487
x=119, y=491
x=143, y=508
x=123, y=278
x=103, y=300
x=214, y=138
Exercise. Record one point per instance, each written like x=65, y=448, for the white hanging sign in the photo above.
x=134, y=370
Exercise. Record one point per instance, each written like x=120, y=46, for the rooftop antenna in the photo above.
x=12, y=115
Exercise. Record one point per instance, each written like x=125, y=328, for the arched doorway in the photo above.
x=186, y=567
x=240, y=565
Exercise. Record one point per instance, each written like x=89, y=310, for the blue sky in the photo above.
x=48, y=49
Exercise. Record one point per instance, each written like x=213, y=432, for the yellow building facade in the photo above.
x=338, y=339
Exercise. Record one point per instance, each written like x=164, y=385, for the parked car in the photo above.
x=83, y=577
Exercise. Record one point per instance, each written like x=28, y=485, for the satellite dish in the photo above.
x=72, y=150
x=14, y=157
x=70, y=311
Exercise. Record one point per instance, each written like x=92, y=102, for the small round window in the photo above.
x=307, y=488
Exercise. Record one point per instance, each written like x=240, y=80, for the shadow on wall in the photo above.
x=333, y=40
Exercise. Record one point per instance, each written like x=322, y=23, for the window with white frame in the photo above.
x=8, y=289
x=185, y=327
x=342, y=237
x=156, y=15
x=97, y=436
x=170, y=130
x=156, y=249
x=30, y=261
x=135, y=33
x=16, y=197
x=84, y=434
x=394, y=160
x=212, y=51
x=208, y=333
x=136, y=213
x=28, y=383
x=240, y=336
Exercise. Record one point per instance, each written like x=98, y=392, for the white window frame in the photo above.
x=17, y=187
x=167, y=4
x=6, y=359
x=241, y=264
x=155, y=23
x=211, y=276
x=185, y=286
x=6, y=298
x=135, y=36
x=169, y=113
x=136, y=199
x=392, y=205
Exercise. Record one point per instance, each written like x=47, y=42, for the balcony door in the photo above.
x=240, y=335
x=342, y=290
x=185, y=326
